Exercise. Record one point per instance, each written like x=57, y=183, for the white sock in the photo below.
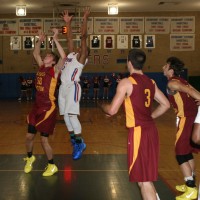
x=188, y=178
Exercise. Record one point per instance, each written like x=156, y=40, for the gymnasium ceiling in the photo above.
x=51, y=6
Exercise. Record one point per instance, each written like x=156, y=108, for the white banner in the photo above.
x=106, y=25
x=132, y=25
x=76, y=25
x=50, y=23
x=183, y=25
x=30, y=26
x=157, y=25
x=182, y=42
x=8, y=27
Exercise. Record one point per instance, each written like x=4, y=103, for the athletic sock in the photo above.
x=190, y=181
x=72, y=135
x=194, y=176
x=79, y=139
x=29, y=154
x=51, y=161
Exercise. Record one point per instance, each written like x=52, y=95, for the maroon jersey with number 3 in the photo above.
x=143, y=141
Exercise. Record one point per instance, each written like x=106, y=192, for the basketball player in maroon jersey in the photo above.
x=182, y=97
x=138, y=92
x=42, y=118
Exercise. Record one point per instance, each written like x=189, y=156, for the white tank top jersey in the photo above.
x=72, y=69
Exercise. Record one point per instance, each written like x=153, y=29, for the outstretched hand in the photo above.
x=42, y=36
x=66, y=17
x=56, y=32
x=86, y=12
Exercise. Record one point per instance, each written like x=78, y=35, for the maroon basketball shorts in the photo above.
x=183, y=136
x=143, y=152
x=43, y=118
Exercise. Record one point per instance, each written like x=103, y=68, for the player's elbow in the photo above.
x=167, y=105
x=112, y=112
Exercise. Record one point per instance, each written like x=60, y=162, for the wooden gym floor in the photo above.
x=101, y=173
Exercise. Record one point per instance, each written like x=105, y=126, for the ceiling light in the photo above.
x=112, y=9
x=21, y=10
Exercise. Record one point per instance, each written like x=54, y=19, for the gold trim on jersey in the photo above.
x=180, y=128
x=130, y=116
x=48, y=113
x=52, y=89
x=179, y=102
x=136, y=144
x=132, y=80
x=52, y=98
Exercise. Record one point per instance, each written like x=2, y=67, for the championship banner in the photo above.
x=157, y=25
x=50, y=23
x=77, y=22
x=183, y=25
x=30, y=26
x=131, y=25
x=106, y=25
x=182, y=42
x=8, y=27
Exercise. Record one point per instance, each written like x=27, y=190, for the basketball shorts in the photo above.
x=69, y=99
x=43, y=118
x=143, y=152
x=197, y=119
x=183, y=136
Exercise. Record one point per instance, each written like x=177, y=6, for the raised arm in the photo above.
x=36, y=52
x=61, y=52
x=68, y=20
x=84, y=50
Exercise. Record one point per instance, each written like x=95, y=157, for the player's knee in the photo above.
x=29, y=137
x=144, y=184
x=66, y=119
x=44, y=135
x=183, y=158
x=32, y=129
x=44, y=138
x=75, y=123
x=196, y=138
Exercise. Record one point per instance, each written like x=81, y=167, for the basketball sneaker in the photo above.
x=29, y=162
x=78, y=150
x=50, y=170
x=191, y=193
x=73, y=142
x=181, y=188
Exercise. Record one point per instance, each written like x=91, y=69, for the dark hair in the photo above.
x=176, y=64
x=137, y=58
x=55, y=57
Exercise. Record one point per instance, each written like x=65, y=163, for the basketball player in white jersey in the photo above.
x=70, y=89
